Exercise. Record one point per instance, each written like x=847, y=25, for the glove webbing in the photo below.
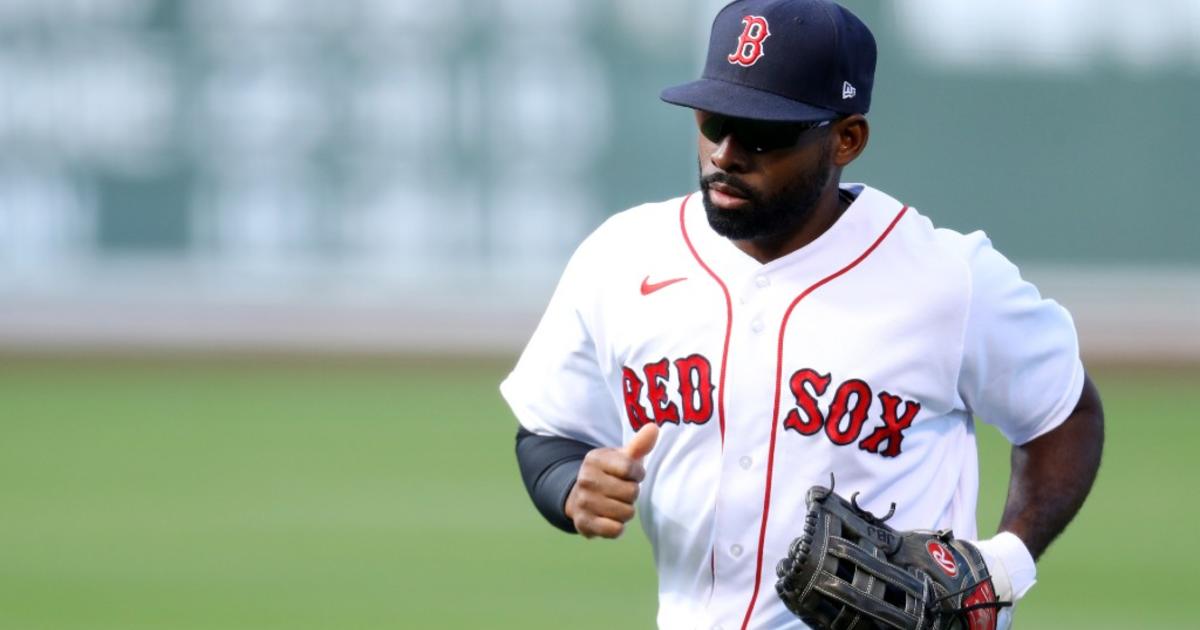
x=855, y=572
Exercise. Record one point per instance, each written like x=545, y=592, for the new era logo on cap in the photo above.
x=784, y=60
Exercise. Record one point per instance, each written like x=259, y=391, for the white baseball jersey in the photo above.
x=865, y=353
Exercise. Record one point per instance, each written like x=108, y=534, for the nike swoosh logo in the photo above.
x=650, y=287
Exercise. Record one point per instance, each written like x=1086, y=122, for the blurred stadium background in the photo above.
x=263, y=263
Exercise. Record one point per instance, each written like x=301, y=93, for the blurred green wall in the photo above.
x=414, y=136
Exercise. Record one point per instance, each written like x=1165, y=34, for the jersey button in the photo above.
x=735, y=551
x=756, y=325
x=762, y=282
x=745, y=462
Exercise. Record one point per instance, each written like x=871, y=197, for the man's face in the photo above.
x=766, y=193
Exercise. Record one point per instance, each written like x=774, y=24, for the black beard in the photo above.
x=773, y=217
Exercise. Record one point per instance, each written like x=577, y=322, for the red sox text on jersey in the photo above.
x=682, y=391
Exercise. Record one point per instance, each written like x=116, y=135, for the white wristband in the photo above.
x=1011, y=565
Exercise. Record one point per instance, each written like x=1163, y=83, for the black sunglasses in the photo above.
x=759, y=136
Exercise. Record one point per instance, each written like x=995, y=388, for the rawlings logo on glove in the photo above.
x=849, y=569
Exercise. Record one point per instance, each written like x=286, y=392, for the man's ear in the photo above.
x=849, y=137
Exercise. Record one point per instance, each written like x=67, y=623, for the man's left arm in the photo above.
x=1020, y=370
x=1051, y=476
x=1053, y=473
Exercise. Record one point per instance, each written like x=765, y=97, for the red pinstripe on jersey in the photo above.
x=728, y=318
x=775, y=419
x=712, y=556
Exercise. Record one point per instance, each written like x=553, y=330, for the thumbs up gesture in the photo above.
x=601, y=502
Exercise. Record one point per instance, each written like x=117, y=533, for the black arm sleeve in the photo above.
x=549, y=467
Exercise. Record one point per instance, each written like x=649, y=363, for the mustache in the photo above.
x=740, y=187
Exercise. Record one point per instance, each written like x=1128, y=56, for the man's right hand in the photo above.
x=601, y=502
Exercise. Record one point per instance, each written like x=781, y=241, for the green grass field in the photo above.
x=327, y=493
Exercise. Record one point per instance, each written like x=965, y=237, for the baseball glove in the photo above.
x=850, y=570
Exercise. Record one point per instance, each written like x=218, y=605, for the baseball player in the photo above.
x=705, y=360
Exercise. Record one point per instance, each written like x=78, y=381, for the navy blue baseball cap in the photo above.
x=784, y=60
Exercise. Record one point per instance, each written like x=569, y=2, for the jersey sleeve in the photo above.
x=1021, y=370
x=557, y=387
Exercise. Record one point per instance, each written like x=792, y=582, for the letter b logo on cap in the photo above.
x=750, y=42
